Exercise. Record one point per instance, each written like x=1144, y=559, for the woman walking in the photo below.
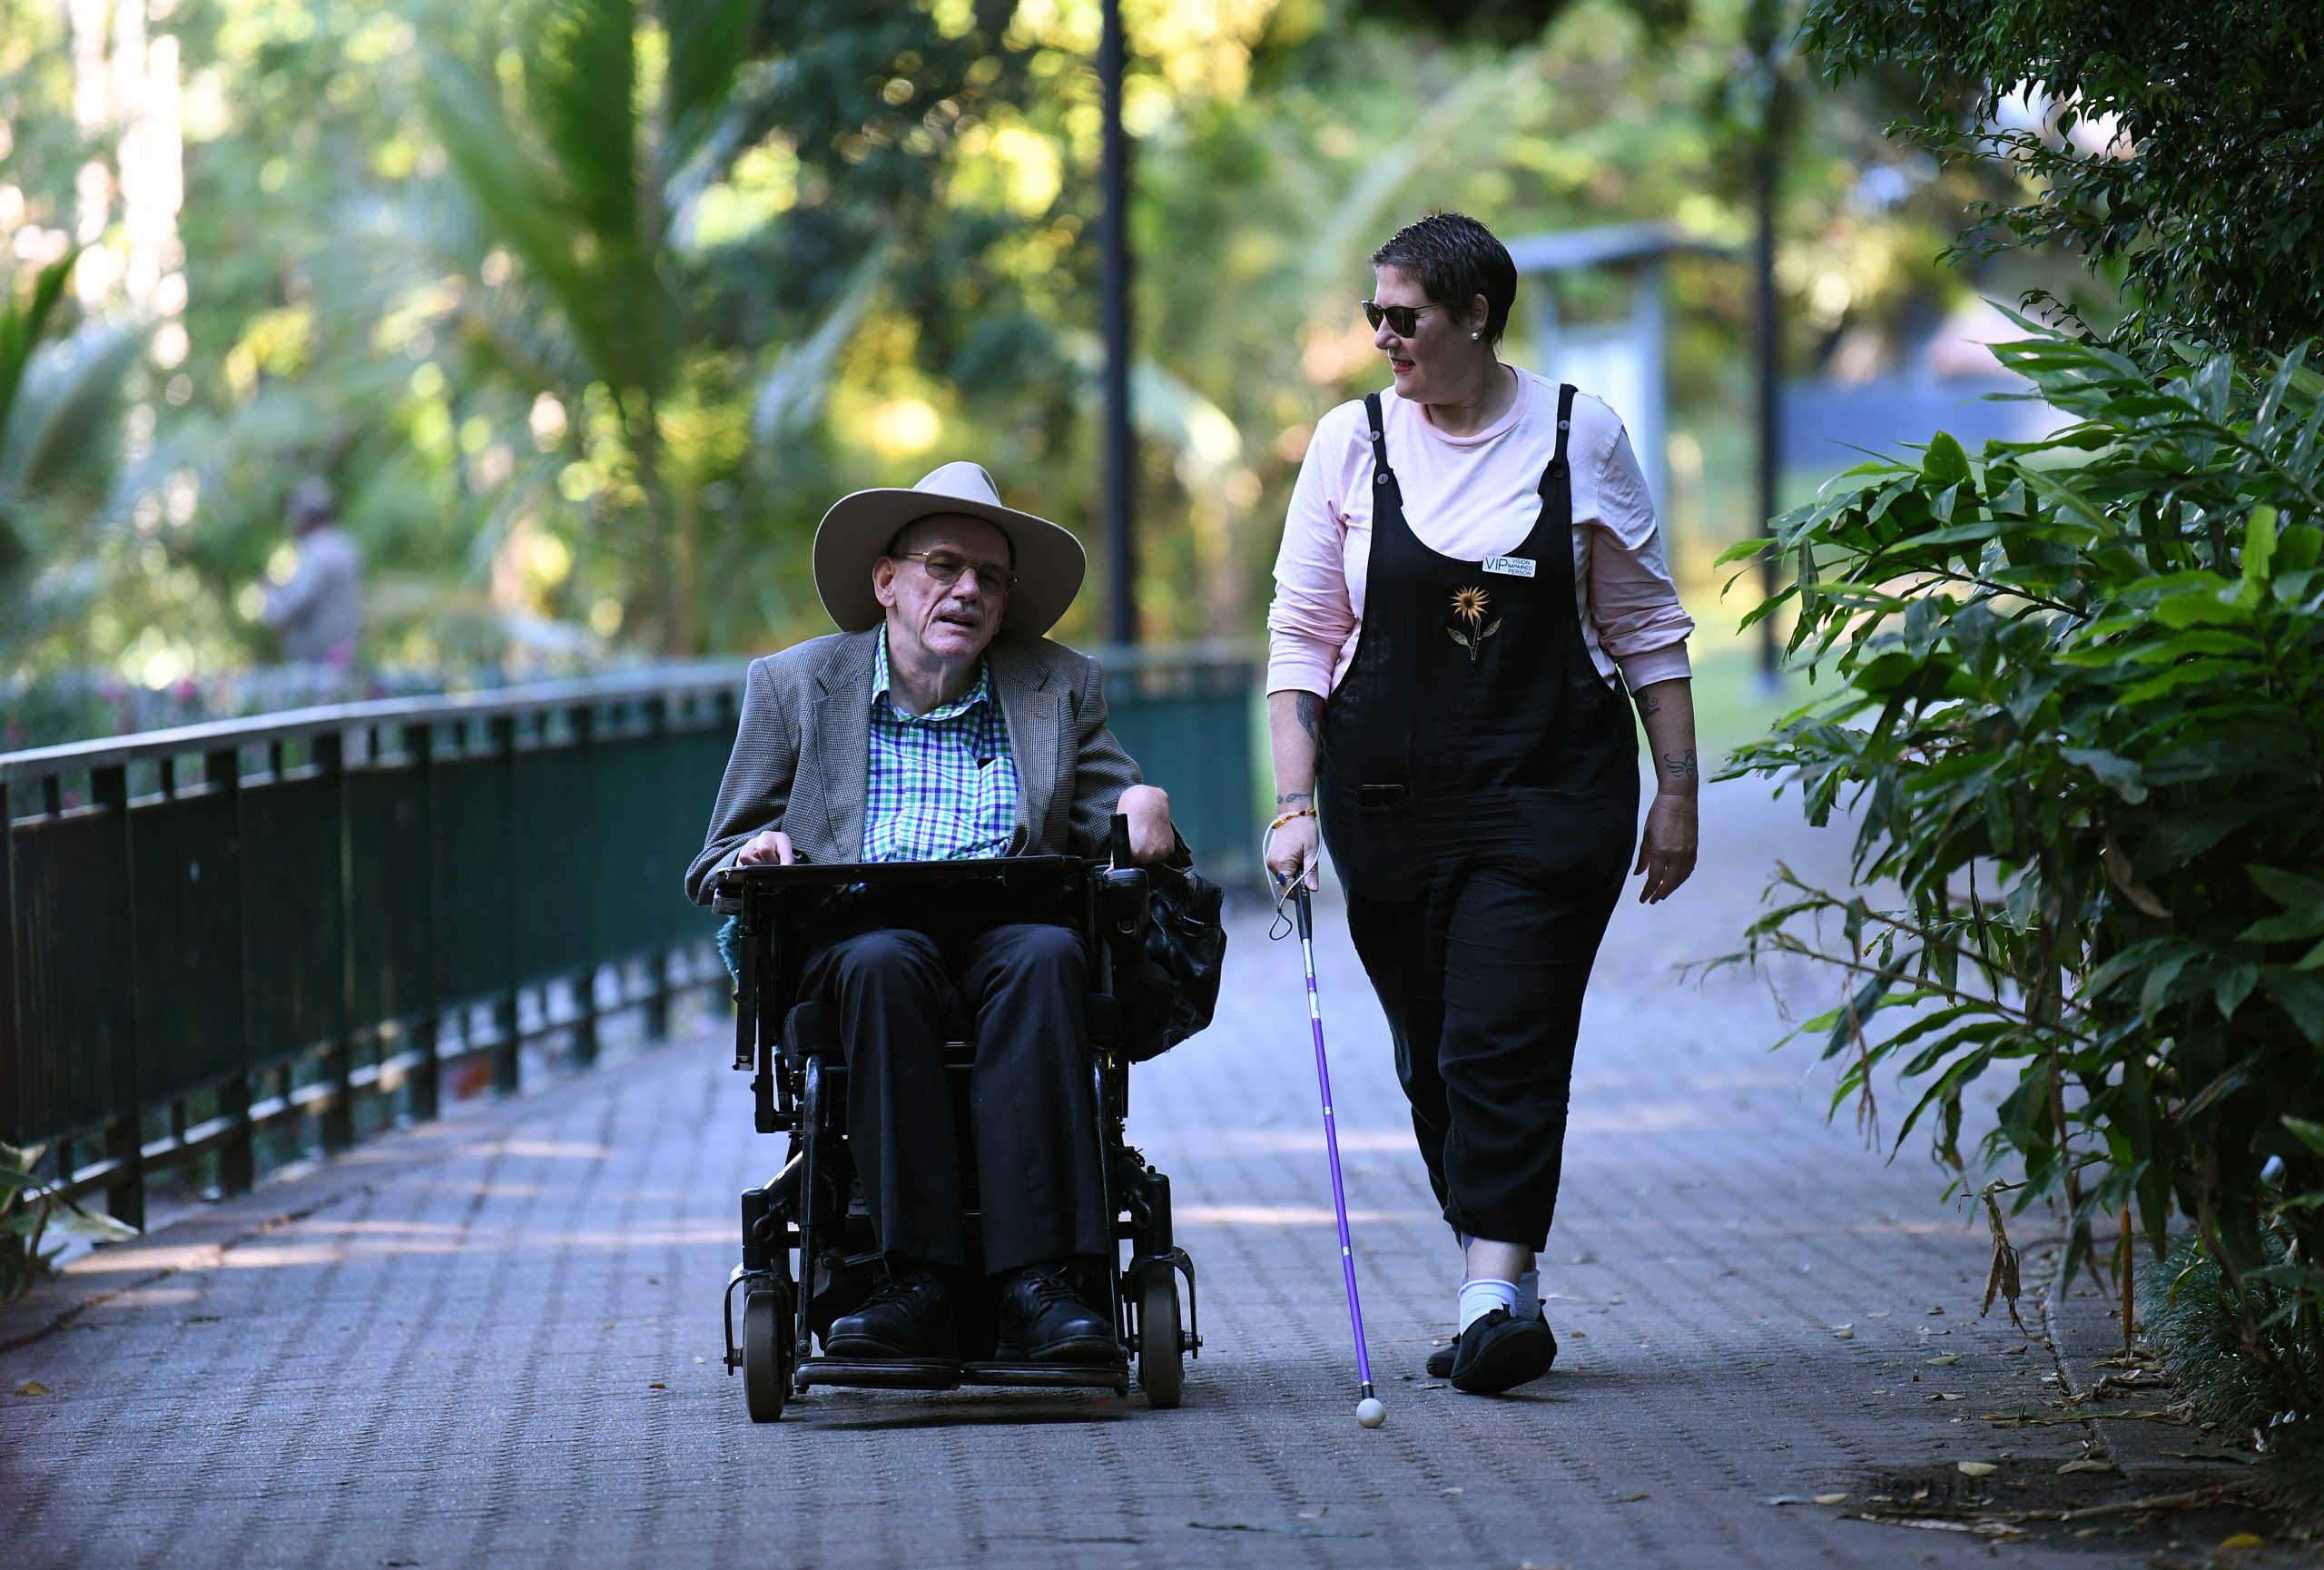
x=1470, y=576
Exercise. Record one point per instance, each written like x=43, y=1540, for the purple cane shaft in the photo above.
x=1332, y=1142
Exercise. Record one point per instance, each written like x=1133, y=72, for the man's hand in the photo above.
x=767, y=845
x=1151, y=837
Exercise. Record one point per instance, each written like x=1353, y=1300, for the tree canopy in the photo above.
x=2181, y=146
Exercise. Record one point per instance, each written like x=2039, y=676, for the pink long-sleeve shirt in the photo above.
x=1470, y=497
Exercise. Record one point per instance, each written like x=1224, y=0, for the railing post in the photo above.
x=655, y=712
x=336, y=1128
x=236, y=1163
x=426, y=1074
x=12, y=1062
x=584, y=984
x=506, y=1016
x=124, y=1137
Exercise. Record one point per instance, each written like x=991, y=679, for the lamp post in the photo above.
x=1113, y=314
x=1767, y=84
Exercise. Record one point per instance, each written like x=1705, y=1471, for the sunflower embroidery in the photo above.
x=1472, y=605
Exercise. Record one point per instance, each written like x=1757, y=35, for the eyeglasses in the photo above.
x=1402, y=319
x=945, y=567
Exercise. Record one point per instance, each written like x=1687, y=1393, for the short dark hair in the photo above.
x=1456, y=259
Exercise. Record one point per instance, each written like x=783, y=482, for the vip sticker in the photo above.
x=1510, y=566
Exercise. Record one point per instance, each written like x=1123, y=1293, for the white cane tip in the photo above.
x=1369, y=1412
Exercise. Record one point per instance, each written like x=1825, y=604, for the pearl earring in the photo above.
x=1474, y=336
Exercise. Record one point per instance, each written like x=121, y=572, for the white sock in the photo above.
x=1529, y=1295
x=1481, y=1296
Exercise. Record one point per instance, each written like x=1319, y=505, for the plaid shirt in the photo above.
x=940, y=786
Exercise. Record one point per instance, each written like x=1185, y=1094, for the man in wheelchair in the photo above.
x=939, y=724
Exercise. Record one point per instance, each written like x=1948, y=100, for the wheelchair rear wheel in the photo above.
x=1161, y=1368
x=766, y=1352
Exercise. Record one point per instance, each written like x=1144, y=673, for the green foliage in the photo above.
x=60, y=400
x=26, y=1218
x=2079, y=714
x=2185, y=146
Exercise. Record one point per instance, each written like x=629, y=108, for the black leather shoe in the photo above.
x=1501, y=1352
x=908, y=1319
x=1044, y=1320
x=1440, y=1362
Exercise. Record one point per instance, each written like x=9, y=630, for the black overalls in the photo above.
x=1478, y=785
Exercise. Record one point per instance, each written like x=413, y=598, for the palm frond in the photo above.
x=794, y=388
x=706, y=42
x=61, y=428
x=22, y=327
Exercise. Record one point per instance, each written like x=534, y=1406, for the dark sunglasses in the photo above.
x=946, y=568
x=1402, y=319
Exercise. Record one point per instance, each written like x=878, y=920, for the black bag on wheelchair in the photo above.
x=1170, y=986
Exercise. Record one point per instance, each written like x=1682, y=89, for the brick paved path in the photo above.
x=495, y=1340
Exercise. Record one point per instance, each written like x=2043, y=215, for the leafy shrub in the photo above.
x=26, y=1217
x=2078, y=710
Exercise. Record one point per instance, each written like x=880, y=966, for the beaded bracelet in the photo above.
x=1294, y=813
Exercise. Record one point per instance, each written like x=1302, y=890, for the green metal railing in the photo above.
x=224, y=938
x=210, y=932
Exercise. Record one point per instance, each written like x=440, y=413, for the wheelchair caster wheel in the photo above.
x=766, y=1352
x=1160, y=1348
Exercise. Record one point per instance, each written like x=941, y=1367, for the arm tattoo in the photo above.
x=1649, y=706
x=1294, y=798
x=1308, y=710
x=1681, y=764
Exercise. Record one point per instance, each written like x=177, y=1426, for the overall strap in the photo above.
x=1557, y=470
x=1381, y=473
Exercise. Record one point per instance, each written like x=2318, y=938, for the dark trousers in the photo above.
x=1031, y=1115
x=1482, y=977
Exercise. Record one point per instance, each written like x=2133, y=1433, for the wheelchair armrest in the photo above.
x=1123, y=903
x=809, y=1030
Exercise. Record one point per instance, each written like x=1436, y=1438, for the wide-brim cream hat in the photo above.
x=1049, y=563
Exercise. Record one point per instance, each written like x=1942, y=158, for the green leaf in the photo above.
x=2306, y=1133
x=1944, y=463
x=2119, y=775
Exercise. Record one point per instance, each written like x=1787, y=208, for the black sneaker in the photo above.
x=909, y=1319
x=1044, y=1320
x=1500, y=1352
x=1440, y=1362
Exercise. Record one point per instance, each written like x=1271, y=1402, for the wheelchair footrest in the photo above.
x=931, y=1374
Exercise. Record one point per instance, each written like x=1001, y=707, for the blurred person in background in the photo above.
x=318, y=610
x=1470, y=576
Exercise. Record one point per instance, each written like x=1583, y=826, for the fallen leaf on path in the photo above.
x=1946, y=1396
x=1629, y=1498
x=1976, y=1469
x=657, y=1384
x=2087, y=1464
x=1783, y=1499
x=1843, y=1334
x=1831, y=1498
x=34, y=1387
x=2245, y=1540
x=1317, y=1513
x=1946, y=1362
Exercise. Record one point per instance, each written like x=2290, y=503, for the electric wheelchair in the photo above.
x=808, y=1253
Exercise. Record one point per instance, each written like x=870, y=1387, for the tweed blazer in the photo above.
x=801, y=762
